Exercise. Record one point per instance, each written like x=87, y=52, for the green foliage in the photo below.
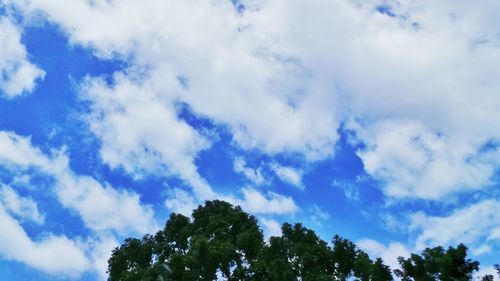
x=299, y=254
x=222, y=241
x=220, y=238
x=488, y=277
x=437, y=264
x=380, y=271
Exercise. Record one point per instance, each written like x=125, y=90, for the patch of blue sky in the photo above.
x=49, y=115
x=239, y=5
x=386, y=10
x=11, y=270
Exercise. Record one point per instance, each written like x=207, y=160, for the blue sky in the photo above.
x=376, y=120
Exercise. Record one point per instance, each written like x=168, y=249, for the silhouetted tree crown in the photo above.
x=221, y=242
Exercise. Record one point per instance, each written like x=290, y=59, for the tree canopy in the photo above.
x=222, y=242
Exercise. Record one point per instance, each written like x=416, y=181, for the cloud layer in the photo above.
x=415, y=82
x=18, y=75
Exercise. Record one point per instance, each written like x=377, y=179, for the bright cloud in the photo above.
x=254, y=175
x=119, y=210
x=388, y=253
x=52, y=254
x=414, y=162
x=472, y=224
x=101, y=207
x=23, y=207
x=18, y=75
x=141, y=133
x=181, y=202
x=270, y=203
x=289, y=175
x=250, y=71
x=271, y=227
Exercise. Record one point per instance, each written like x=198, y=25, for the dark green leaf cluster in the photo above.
x=438, y=264
x=221, y=242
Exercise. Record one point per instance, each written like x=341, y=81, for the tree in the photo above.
x=437, y=264
x=362, y=266
x=344, y=257
x=380, y=272
x=132, y=260
x=488, y=277
x=299, y=254
x=220, y=241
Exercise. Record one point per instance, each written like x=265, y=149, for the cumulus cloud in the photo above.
x=53, y=254
x=100, y=249
x=270, y=203
x=18, y=75
x=230, y=79
x=415, y=162
x=289, y=175
x=389, y=253
x=253, y=201
x=483, y=249
x=181, y=202
x=472, y=224
x=254, y=175
x=119, y=210
x=422, y=73
x=141, y=133
x=102, y=208
x=23, y=207
x=487, y=270
x=17, y=150
x=271, y=227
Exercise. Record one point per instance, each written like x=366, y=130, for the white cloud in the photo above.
x=270, y=203
x=414, y=162
x=53, y=254
x=254, y=175
x=140, y=131
x=470, y=225
x=271, y=227
x=18, y=75
x=181, y=202
x=426, y=76
x=23, y=207
x=230, y=79
x=483, y=270
x=494, y=234
x=100, y=252
x=253, y=201
x=388, y=253
x=483, y=249
x=119, y=211
x=289, y=175
x=17, y=150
